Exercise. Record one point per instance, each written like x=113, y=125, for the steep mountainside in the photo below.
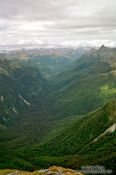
x=87, y=83
x=19, y=84
x=89, y=129
x=89, y=140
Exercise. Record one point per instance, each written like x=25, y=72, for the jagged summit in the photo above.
x=104, y=53
x=104, y=48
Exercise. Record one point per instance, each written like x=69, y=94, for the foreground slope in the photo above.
x=89, y=140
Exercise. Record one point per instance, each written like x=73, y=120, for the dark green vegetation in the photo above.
x=48, y=120
x=88, y=83
x=89, y=140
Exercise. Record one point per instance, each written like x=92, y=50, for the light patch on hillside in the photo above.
x=2, y=99
x=25, y=101
x=3, y=71
x=109, y=130
x=14, y=110
x=107, y=92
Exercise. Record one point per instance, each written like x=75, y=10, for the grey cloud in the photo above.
x=57, y=20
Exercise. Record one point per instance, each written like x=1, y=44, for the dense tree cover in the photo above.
x=44, y=122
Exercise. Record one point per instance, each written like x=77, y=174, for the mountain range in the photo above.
x=57, y=107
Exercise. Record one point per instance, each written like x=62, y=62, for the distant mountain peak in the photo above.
x=102, y=46
x=102, y=50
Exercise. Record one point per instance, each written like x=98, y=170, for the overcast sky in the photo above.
x=54, y=22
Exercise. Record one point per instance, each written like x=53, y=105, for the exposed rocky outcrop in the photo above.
x=54, y=170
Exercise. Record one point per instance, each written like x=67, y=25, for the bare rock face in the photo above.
x=54, y=170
